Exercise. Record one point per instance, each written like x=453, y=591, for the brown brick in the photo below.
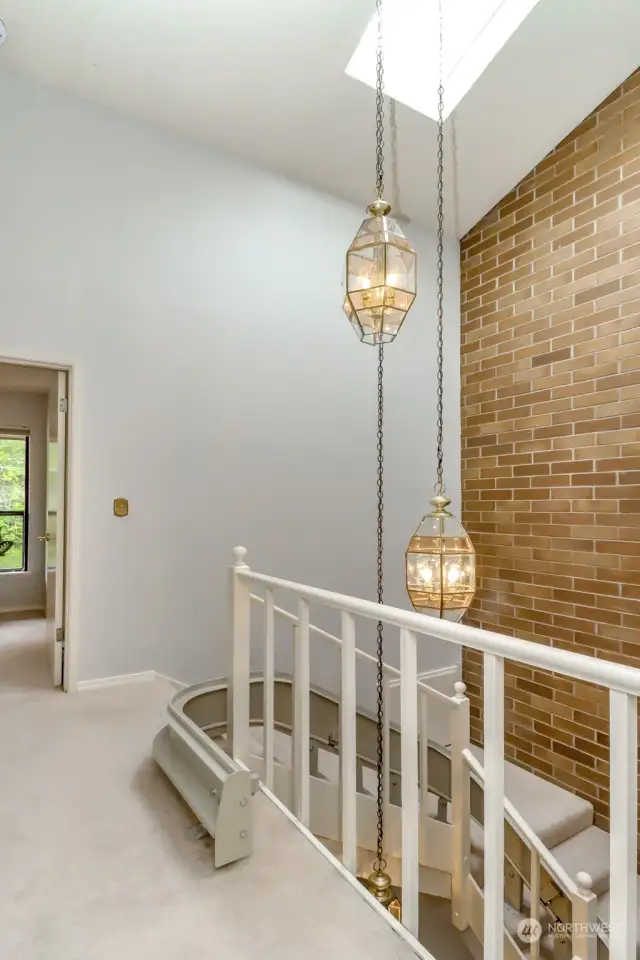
x=551, y=435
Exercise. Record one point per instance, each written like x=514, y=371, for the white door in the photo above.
x=56, y=487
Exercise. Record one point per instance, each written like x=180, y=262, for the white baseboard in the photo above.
x=178, y=684
x=439, y=674
x=100, y=682
x=143, y=677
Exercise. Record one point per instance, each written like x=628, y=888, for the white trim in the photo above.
x=28, y=608
x=353, y=881
x=72, y=542
x=72, y=590
x=435, y=674
x=143, y=677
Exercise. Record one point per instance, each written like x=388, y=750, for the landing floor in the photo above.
x=99, y=858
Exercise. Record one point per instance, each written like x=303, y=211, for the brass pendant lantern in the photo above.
x=381, y=263
x=440, y=559
x=381, y=277
x=441, y=564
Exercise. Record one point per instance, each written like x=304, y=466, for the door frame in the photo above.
x=71, y=526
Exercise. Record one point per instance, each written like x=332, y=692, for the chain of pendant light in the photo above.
x=440, y=265
x=380, y=862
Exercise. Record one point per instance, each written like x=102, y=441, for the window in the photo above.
x=474, y=33
x=14, y=514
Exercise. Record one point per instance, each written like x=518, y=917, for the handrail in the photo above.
x=625, y=679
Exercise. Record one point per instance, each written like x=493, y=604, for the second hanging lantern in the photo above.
x=440, y=559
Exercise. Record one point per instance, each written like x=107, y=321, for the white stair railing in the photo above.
x=623, y=683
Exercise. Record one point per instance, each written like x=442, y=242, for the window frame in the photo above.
x=8, y=435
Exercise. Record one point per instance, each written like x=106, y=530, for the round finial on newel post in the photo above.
x=239, y=555
x=584, y=881
x=460, y=689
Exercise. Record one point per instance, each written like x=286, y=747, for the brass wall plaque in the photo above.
x=121, y=507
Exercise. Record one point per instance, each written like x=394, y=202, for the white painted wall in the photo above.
x=217, y=384
x=26, y=590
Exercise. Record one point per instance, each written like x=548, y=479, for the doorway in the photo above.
x=34, y=441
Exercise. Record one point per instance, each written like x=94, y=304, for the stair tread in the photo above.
x=552, y=812
x=587, y=851
x=282, y=745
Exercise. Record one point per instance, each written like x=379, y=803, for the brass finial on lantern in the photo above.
x=378, y=884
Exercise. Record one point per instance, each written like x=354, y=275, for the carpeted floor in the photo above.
x=98, y=854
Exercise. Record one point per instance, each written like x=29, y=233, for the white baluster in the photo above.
x=460, y=807
x=387, y=690
x=534, y=950
x=409, y=789
x=269, y=667
x=240, y=672
x=348, y=744
x=493, y=807
x=301, y=715
x=623, y=831
x=584, y=917
x=423, y=733
x=423, y=770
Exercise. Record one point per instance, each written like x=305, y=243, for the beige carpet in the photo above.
x=98, y=855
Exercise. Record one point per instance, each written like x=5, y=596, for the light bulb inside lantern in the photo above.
x=453, y=574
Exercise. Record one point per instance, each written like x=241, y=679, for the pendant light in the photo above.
x=381, y=263
x=440, y=559
x=381, y=286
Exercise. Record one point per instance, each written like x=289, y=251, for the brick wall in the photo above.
x=551, y=434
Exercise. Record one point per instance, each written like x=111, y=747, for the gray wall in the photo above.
x=218, y=385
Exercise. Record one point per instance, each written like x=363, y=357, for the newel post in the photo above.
x=460, y=807
x=240, y=672
x=584, y=920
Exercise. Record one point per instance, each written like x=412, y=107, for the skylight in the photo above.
x=474, y=31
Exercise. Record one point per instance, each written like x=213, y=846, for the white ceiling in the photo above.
x=264, y=79
x=19, y=378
